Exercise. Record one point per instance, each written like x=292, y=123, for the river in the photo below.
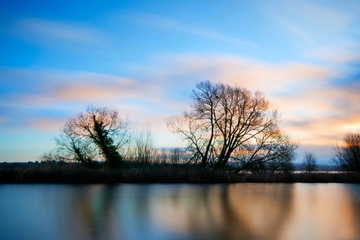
x=180, y=211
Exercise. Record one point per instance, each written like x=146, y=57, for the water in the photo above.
x=235, y=211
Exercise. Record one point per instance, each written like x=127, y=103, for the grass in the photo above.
x=69, y=173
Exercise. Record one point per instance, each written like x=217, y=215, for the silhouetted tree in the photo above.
x=97, y=131
x=171, y=155
x=162, y=156
x=144, y=147
x=52, y=157
x=347, y=156
x=75, y=148
x=268, y=151
x=231, y=124
x=310, y=162
x=175, y=155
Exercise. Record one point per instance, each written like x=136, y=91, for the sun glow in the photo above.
x=350, y=127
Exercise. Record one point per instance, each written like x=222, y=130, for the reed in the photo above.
x=68, y=173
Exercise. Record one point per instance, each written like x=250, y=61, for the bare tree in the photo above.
x=73, y=148
x=347, y=156
x=162, y=156
x=310, y=162
x=171, y=155
x=175, y=155
x=269, y=151
x=144, y=147
x=198, y=135
x=97, y=131
x=225, y=122
x=52, y=157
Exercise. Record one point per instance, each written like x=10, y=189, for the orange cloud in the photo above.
x=313, y=110
x=47, y=124
x=51, y=88
x=250, y=73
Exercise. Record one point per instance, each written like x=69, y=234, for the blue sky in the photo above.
x=144, y=58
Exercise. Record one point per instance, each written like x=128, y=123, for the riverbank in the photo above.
x=68, y=173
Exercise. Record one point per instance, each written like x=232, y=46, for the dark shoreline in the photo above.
x=68, y=173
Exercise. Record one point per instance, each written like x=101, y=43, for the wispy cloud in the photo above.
x=3, y=120
x=75, y=32
x=250, y=73
x=53, y=91
x=312, y=22
x=45, y=124
x=174, y=25
x=347, y=52
x=315, y=107
x=51, y=87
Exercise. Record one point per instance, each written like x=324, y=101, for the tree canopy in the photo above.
x=99, y=132
x=233, y=124
x=347, y=155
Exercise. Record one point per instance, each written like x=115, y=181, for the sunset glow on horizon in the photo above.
x=143, y=58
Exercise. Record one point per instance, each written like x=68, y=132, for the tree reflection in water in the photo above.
x=178, y=211
x=160, y=211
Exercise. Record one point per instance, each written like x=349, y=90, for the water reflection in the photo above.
x=225, y=211
x=325, y=211
x=89, y=213
x=237, y=211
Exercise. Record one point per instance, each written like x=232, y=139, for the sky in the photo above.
x=143, y=58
